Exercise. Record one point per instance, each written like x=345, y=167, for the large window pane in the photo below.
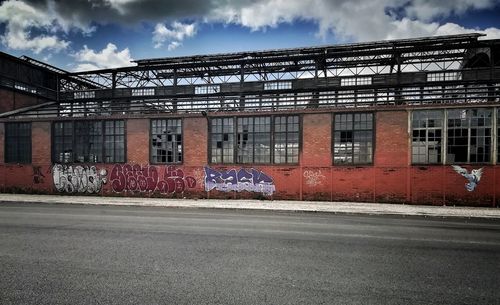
x=286, y=144
x=18, y=142
x=166, y=141
x=427, y=136
x=88, y=141
x=353, y=138
x=469, y=136
x=254, y=140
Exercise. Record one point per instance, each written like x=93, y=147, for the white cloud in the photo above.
x=356, y=20
x=173, y=45
x=426, y=10
x=20, y=20
x=173, y=35
x=109, y=57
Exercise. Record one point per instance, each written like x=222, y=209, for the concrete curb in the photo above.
x=281, y=205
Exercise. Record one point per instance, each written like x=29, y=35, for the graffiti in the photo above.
x=147, y=178
x=250, y=180
x=473, y=177
x=313, y=178
x=38, y=176
x=78, y=179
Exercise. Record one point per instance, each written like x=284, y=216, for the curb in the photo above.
x=340, y=208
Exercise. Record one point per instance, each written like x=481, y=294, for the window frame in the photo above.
x=469, y=128
x=18, y=146
x=272, y=140
x=373, y=137
x=494, y=137
x=151, y=161
x=443, y=142
x=103, y=142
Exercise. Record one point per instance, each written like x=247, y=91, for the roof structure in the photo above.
x=422, y=71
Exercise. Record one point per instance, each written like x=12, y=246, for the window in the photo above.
x=207, y=89
x=143, y=91
x=114, y=141
x=17, y=142
x=166, y=141
x=222, y=140
x=254, y=140
x=286, y=139
x=427, y=128
x=249, y=140
x=25, y=87
x=355, y=81
x=62, y=140
x=277, y=85
x=84, y=94
x=89, y=141
x=443, y=76
x=353, y=138
x=469, y=135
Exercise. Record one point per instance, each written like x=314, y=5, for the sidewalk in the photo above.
x=276, y=205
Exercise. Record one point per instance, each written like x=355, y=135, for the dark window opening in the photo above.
x=18, y=143
x=254, y=140
x=88, y=141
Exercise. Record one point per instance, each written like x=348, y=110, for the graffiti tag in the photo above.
x=147, y=178
x=78, y=179
x=250, y=180
x=313, y=178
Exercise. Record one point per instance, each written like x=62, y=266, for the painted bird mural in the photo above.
x=474, y=176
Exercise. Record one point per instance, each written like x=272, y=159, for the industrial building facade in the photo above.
x=403, y=121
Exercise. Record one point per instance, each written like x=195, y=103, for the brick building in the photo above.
x=404, y=121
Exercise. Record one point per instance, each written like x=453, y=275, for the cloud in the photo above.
x=356, y=20
x=173, y=45
x=347, y=20
x=427, y=10
x=174, y=35
x=20, y=20
x=109, y=57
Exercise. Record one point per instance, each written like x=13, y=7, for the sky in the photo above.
x=79, y=35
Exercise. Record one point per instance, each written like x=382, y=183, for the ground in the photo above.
x=76, y=254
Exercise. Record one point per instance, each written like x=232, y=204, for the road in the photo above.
x=76, y=254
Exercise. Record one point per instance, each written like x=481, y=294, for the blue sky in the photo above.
x=93, y=34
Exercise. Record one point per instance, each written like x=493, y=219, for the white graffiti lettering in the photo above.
x=78, y=179
x=313, y=178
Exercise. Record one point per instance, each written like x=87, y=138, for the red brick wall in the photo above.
x=10, y=100
x=316, y=140
x=22, y=100
x=138, y=141
x=195, y=137
x=2, y=139
x=391, y=138
x=390, y=178
x=41, y=143
x=6, y=100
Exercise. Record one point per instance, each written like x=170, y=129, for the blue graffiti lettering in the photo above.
x=242, y=180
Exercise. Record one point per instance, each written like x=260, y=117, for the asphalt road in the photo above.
x=70, y=254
